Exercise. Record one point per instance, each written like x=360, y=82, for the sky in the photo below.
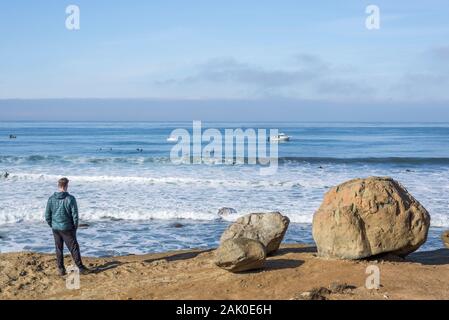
x=301, y=60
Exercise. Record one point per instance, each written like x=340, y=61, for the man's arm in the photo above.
x=48, y=212
x=74, y=209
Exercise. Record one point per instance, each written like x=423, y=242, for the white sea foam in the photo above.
x=197, y=192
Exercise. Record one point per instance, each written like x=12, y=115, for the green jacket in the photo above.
x=62, y=211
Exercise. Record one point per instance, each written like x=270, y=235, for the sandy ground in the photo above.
x=294, y=270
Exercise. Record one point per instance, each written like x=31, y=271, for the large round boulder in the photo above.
x=240, y=254
x=366, y=217
x=268, y=228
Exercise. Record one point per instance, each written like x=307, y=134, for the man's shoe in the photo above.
x=83, y=270
x=62, y=272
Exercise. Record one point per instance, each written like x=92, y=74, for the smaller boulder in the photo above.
x=445, y=238
x=268, y=228
x=240, y=254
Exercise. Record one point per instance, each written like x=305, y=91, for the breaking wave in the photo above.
x=39, y=159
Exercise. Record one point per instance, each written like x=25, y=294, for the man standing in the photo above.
x=61, y=215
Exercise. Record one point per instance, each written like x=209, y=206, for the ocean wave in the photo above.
x=41, y=159
x=366, y=160
x=196, y=198
x=438, y=220
x=173, y=180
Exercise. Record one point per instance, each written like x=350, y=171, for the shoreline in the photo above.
x=95, y=239
x=191, y=274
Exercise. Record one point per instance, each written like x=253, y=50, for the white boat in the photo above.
x=172, y=139
x=281, y=137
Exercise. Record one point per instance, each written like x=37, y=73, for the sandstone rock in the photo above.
x=445, y=238
x=367, y=217
x=268, y=228
x=223, y=212
x=240, y=254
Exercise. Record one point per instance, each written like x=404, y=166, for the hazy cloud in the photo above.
x=311, y=61
x=308, y=75
x=422, y=86
x=428, y=83
x=441, y=52
x=230, y=70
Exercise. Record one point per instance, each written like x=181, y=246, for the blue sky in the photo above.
x=227, y=50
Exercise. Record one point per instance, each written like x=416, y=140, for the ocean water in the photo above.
x=133, y=200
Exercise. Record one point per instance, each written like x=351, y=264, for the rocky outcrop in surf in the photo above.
x=226, y=211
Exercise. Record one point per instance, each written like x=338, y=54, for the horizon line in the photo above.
x=258, y=99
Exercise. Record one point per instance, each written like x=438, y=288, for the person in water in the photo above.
x=61, y=215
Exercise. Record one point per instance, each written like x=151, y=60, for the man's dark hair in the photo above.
x=63, y=183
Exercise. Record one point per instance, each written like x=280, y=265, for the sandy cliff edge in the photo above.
x=191, y=274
